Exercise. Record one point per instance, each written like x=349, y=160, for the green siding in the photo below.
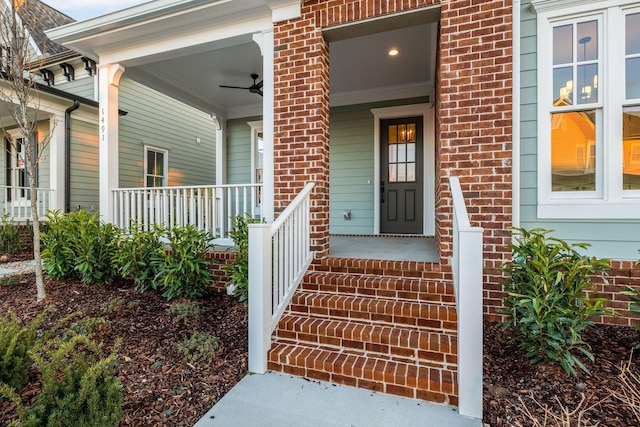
x=239, y=150
x=81, y=86
x=84, y=166
x=157, y=120
x=616, y=239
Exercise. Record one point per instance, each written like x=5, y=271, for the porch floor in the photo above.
x=281, y=400
x=388, y=248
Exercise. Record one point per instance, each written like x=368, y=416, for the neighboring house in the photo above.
x=378, y=103
x=163, y=141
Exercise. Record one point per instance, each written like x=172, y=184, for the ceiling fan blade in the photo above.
x=260, y=84
x=235, y=87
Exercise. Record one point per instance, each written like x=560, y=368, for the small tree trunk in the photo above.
x=31, y=165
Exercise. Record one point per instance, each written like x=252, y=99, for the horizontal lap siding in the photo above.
x=84, y=166
x=616, y=239
x=81, y=86
x=239, y=150
x=155, y=119
x=351, y=170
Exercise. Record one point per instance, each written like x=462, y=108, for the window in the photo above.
x=588, y=109
x=16, y=172
x=156, y=165
x=257, y=159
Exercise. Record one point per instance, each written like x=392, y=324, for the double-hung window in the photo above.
x=156, y=165
x=588, y=108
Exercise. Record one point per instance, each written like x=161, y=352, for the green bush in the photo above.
x=185, y=311
x=79, y=387
x=9, y=235
x=76, y=244
x=199, y=346
x=16, y=341
x=549, y=299
x=238, y=269
x=184, y=270
x=138, y=256
x=58, y=257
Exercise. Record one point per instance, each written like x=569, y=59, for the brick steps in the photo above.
x=382, y=310
x=432, y=347
x=379, y=286
x=380, y=332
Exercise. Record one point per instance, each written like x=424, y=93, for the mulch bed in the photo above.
x=511, y=381
x=161, y=387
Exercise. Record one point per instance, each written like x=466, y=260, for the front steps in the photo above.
x=388, y=328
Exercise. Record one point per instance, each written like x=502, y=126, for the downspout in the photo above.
x=515, y=143
x=67, y=155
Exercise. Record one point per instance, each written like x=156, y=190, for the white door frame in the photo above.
x=428, y=120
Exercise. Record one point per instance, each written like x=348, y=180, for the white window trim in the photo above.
x=148, y=148
x=256, y=127
x=609, y=201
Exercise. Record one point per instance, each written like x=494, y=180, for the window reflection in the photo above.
x=631, y=148
x=573, y=151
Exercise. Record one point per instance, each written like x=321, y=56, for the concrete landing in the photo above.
x=279, y=400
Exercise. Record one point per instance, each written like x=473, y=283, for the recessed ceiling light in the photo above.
x=393, y=51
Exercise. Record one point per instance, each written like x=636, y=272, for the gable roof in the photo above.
x=42, y=17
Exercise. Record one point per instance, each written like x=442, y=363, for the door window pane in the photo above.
x=393, y=153
x=411, y=172
x=402, y=153
x=573, y=151
x=393, y=173
x=411, y=152
x=402, y=172
x=393, y=134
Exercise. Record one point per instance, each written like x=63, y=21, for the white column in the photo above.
x=57, y=161
x=265, y=41
x=108, y=80
x=221, y=149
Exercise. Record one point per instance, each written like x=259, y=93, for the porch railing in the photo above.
x=209, y=207
x=467, y=280
x=16, y=201
x=279, y=255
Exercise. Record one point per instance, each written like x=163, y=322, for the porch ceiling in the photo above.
x=360, y=68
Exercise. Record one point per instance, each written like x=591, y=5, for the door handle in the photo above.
x=381, y=191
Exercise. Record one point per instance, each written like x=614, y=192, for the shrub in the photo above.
x=76, y=244
x=9, y=235
x=184, y=270
x=549, y=299
x=16, y=341
x=138, y=256
x=238, y=269
x=634, y=307
x=185, y=311
x=199, y=346
x=58, y=257
x=79, y=387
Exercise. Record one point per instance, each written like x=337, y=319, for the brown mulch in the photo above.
x=511, y=381
x=161, y=387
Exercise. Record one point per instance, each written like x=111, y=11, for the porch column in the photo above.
x=221, y=149
x=108, y=80
x=57, y=165
x=265, y=41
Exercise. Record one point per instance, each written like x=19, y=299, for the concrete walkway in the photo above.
x=277, y=400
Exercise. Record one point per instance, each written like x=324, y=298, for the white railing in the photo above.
x=16, y=201
x=209, y=207
x=279, y=255
x=466, y=264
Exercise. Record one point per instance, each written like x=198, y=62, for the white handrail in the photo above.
x=466, y=265
x=279, y=255
x=208, y=207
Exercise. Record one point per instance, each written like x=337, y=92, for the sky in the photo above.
x=85, y=9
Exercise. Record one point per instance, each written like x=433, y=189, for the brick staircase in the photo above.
x=380, y=325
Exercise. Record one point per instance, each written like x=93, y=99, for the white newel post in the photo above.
x=57, y=162
x=108, y=80
x=470, y=322
x=259, y=296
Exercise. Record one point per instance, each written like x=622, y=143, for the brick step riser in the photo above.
x=432, y=383
x=432, y=348
x=421, y=315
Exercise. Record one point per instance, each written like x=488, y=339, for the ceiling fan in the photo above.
x=254, y=88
